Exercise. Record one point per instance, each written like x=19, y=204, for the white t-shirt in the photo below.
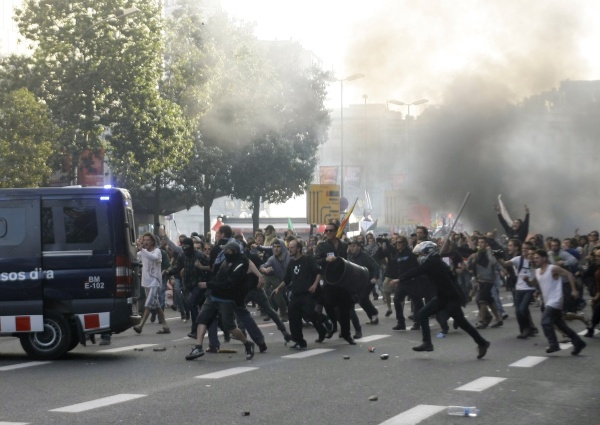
x=551, y=287
x=151, y=271
x=521, y=274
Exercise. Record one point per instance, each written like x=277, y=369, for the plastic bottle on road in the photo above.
x=463, y=411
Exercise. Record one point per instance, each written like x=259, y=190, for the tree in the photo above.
x=280, y=161
x=86, y=59
x=27, y=139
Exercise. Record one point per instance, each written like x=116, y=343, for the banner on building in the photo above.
x=352, y=175
x=328, y=174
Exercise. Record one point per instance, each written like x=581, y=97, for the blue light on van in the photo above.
x=105, y=198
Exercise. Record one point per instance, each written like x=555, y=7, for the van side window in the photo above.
x=80, y=224
x=75, y=224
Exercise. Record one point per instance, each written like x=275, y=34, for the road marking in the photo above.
x=14, y=423
x=101, y=402
x=528, y=361
x=481, y=384
x=308, y=353
x=371, y=338
x=128, y=348
x=414, y=415
x=21, y=366
x=226, y=372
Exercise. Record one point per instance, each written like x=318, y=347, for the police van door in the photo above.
x=21, y=274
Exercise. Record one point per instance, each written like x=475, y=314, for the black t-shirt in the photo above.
x=301, y=274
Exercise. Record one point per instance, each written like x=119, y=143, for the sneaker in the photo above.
x=578, y=347
x=504, y=316
x=249, y=350
x=482, y=350
x=480, y=326
x=213, y=350
x=153, y=317
x=589, y=333
x=104, y=342
x=196, y=352
x=192, y=335
x=388, y=313
x=266, y=319
x=497, y=324
x=287, y=337
x=373, y=321
x=137, y=329
x=357, y=334
x=399, y=328
x=423, y=347
x=525, y=334
x=164, y=331
x=553, y=349
x=262, y=347
x=415, y=327
x=349, y=340
x=298, y=346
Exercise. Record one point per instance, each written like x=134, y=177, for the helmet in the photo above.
x=425, y=250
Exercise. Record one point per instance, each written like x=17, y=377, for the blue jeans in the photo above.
x=496, y=296
x=178, y=297
x=522, y=300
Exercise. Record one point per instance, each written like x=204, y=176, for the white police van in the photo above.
x=68, y=266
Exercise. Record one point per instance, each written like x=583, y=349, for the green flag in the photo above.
x=290, y=225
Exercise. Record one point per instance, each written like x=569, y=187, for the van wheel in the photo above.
x=53, y=342
x=74, y=339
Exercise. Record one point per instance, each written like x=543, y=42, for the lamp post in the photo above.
x=415, y=103
x=341, y=80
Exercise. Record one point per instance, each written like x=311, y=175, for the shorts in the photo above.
x=211, y=309
x=485, y=292
x=151, y=297
x=387, y=288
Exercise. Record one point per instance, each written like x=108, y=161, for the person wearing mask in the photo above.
x=228, y=287
x=449, y=297
x=151, y=257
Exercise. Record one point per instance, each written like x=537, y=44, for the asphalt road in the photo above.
x=516, y=383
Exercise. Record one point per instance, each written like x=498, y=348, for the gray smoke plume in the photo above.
x=499, y=121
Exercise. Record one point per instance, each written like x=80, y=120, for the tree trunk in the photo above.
x=156, y=204
x=255, y=213
x=207, y=207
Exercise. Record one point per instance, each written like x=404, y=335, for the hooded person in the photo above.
x=274, y=270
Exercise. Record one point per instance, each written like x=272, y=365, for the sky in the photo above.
x=410, y=50
x=471, y=59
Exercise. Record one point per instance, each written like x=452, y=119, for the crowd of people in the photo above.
x=214, y=282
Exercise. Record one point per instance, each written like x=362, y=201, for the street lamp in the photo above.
x=341, y=80
x=121, y=15
x=415, y=103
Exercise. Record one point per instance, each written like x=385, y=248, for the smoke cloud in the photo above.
x=498, y=121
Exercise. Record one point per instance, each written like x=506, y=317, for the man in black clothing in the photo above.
x=303, y=275
x=519, y=228
x=227, y=290
x=357, y=255
x=449, y=297
x=335, y=297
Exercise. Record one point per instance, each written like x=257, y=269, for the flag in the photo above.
x=291, y=225
x=345, y=221
x=503, y=210
x=373, y=226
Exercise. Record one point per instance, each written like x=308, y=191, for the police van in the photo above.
x=68, y=266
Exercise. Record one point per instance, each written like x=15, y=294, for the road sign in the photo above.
x=322, y=203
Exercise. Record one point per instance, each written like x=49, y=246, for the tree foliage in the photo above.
x=27, y=138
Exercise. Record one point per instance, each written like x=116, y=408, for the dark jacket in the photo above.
x=365, y=260
x=230, y=281
x=520, y=233
x=325, y=247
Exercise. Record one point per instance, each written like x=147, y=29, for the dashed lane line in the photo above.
x=226, y=373
x=414, y=415
x=528, y=361
x=481, y=384
x=95, y=404
x=14, y=423
x=128, y=348
x=308, y=353
x=21, y=366
x=371, y=338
